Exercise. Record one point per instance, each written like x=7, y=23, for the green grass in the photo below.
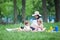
x=15, y=35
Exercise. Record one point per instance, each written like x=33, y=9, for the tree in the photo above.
x=15, y=11
x=23, y=10
x=44, y=10
x=57, y=8
x=0, y=16
x=51, y=7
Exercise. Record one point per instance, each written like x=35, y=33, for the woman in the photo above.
x=34, y=22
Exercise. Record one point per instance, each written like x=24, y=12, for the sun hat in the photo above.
x=36, y=13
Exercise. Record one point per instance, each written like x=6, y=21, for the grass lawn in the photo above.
x=15, y=35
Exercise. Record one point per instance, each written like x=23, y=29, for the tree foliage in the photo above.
x=7, y=6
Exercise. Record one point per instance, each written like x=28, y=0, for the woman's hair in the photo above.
x=38, y=16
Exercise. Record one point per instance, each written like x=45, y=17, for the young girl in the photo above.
x=40, y=25
x=27, y=26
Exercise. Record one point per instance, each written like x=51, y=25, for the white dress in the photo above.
x=34, y=22
x=27, y=28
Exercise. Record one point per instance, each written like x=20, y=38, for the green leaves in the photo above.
x=7, y=8
x=31, y=6
x=51, y=7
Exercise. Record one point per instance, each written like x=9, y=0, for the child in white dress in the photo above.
x=27, y=26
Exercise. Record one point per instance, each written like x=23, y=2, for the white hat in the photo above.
x=36, y=13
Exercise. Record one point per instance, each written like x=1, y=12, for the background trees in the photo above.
x=23, y=9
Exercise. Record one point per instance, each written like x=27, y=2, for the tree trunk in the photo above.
x=57, y=8
x=15, y=11
x=44, y=10
x=0, y=17
x=23, y=10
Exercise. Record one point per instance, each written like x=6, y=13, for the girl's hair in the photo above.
x=26, y=22
x=39, y=21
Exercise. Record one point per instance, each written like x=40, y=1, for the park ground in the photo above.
x=16, y=35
